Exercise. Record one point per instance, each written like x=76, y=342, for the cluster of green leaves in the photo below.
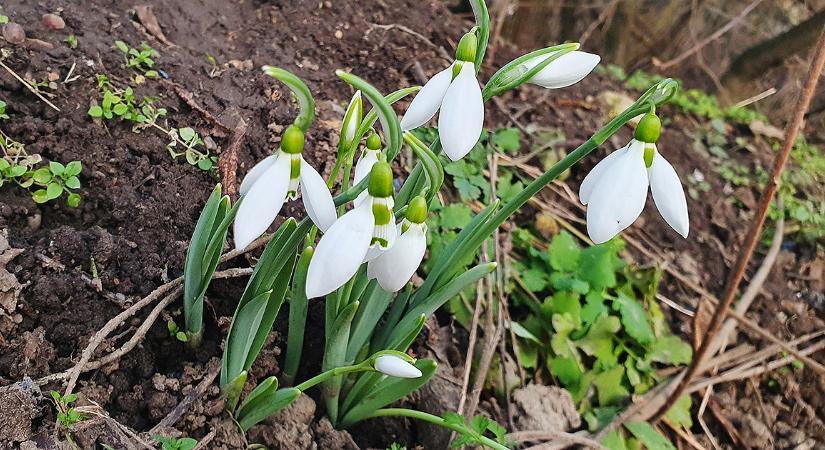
x=67, y=415
x=694, y=101
x=71, y=41
x=479, y=426
x=175, y=331
x=172, y=443
x=45, y=182
x=124, y=104
x=139, y=59
x=190, y=140
x=117, y=103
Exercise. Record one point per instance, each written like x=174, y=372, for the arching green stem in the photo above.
x=435, y=420
x=301, y=91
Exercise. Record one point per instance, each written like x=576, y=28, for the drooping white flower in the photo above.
x=344, y=246
x=457, y=93
x=566, y=70
x=276, y=179
x=396, y=367
x=615, y=190
x=394, y=267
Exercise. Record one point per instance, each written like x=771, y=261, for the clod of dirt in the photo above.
x=9, y=289
x=289, y=429
x=19, y=405
x=754, y=433
x=328, y=437
x=94, y=432
x=544, y=408
x=14, y=33
x=53, y=22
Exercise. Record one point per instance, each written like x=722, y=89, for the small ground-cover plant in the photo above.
x=67, y=415
x=172, y=443
x=143, y=113
x=140, y=60
x=45, y=181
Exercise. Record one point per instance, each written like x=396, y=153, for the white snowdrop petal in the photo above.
x=669, y=195
x=362, y=170
x=462, y=114
x=317, y=198
x=592, y=178
x=340, y=252
x=396, y=266
x=396, y=367
x=618, y=197
x=568, y=69
x=427, y=101
x=353, y=113
x=256, y=172
x=262, y=203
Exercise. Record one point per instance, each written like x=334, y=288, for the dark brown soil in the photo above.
x=139, y=207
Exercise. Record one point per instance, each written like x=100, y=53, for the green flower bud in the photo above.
x=466, y=50
x=417, y=210
x=293, y=140
x=374, y=141
x=380, y=184
x=649, y=128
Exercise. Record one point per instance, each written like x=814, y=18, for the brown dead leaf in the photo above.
x=150, y=22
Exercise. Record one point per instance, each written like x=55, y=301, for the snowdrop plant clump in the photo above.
x=373, y=236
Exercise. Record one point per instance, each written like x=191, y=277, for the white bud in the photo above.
x=396, y=367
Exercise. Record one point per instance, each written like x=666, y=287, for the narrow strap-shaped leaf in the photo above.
x=386, y=115
x=258, y=395
x=436, y=300
x=241, y=333
x=374, y=303
x=334, y=356
x=378, y=341
x=387, y=391
x=269, y=404
x=297, y=316
x=449, y=256
x=372, y=115
x=301, y=91
x=276, y=299
x=432, y=165
x=192, y=266
x=263, y=270
x=405, y=341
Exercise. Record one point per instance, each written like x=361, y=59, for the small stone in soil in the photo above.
x=53, y=22
x=14, y=33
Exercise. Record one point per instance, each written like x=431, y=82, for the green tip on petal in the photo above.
x=649, y=128
x=380, y=185
x=417, y=210
x=467, y=46
x=293, y=140
x=374, y=141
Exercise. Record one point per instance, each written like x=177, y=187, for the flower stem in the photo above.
x=337, y=371
x=427, y=417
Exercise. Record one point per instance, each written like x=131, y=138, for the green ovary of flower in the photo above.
x=380, y=184
x=649, y=128
x=293, y=140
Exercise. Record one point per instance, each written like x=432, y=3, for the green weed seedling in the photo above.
x=171, y=443
x=175, y=331
x=67, y=415
x=139, y=60
x=71, y=41
x=123, y=103
x=45, y=182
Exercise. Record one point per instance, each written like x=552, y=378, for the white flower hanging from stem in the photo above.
x=393, y=268
x=274, y=180
x=615, y=191
x=454, y=90
x=345, y=245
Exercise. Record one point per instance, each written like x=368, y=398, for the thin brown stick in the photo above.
x=29, y=86
x=471, y=347
x=714, y=36
x=228, y=161
x=752, y=237
x=604, y=17
x=558, y=439
x=186, y=403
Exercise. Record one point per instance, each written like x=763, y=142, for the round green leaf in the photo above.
x=120, y=109
x=73, y=182
x=73, y=168
x=17, y=171
x=53, y=190
x=39, y=196
x=56, y=168
x=205, y=164
x=73, y=200
x=96, y=111
x=42, y=175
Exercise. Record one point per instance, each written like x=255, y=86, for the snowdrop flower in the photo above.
x=368, y=159
x=566, y=70
x=615, y=190
x=394, y=267
x=345, y=245
x=396, y=367
x=457, y=93
x=276, y=179
x=352, y=119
